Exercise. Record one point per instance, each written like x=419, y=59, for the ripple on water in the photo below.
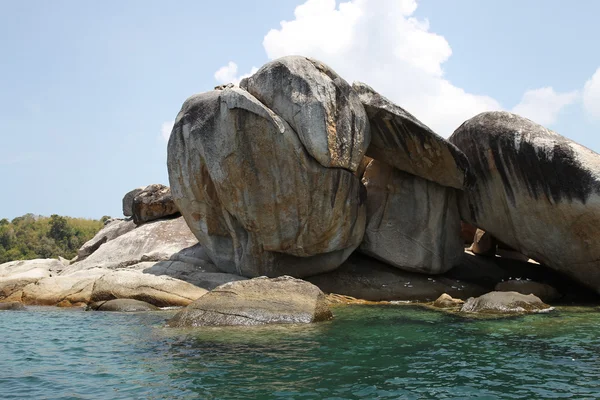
x=366, y=352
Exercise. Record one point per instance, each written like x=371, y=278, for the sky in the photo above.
x=89, y=90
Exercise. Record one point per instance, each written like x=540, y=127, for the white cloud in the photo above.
x=543, y=105
x=591, y=95
x=166, y=128
x=380, y=44
x=228, y=74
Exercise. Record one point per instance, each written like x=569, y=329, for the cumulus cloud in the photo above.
x=166, y=128
x=228, y=74
x=591, y=95
x=381, y=44
x=543, y=105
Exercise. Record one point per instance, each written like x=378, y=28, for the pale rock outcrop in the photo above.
x=256, y=200
x=542, y=290
x=257, y=301
x=365, y=278
x=128, y=201
x=161, y=291
x=15, y=275
x=152, y=203
x=154, y=241
x=447, y=301
x=320, y=106
x=56, y=289
x=402, y=141
x=412, y=223
x=535, y=190
x=504, y=303
x=112, y=230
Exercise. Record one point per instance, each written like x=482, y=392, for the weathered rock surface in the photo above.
x=15, y=275
x=112, y=230
x=11, y=306
x=160, y=291
x=318, y=104
x=122, y=305
x=447, y=301
x=206, y=276
x=152, y=203
x=484, y=244
x=256, y=301
x=402, y=141
x=365, y=278
x=467, y=232
x=153, y=241
x=59, y=289
x=128, y=201
x=535, y=190
x=541, y=290
x=412, y=223
x=504, y=303
x=256, y=200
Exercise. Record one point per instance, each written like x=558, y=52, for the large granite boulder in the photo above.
x=154, y=202
x=128, y=201
x=524, y=286
x=15, y=275
x=153, y=241
x=535, y=190
x=504, y=303
x=368, y=279
x=320, y=106
x=402, y=141
x=112, y=230
x=257, y=301
x=68, y=290
x=161, y=291
x=412, y=223
x=257, y=201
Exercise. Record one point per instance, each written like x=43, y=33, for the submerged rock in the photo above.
x=254, y=197
x=122, y=305
x=402, y=141
x=152, y=203
x=257, y=301
x=504, y=303
x=12, y=306
x=320, y=106
x=535, y=190
x=412, y=223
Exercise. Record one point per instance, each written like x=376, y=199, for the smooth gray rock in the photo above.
x=412, y=223
x=206, y=276
x=257, y=301
x=15, y=275
x=128, y=201
x=112, y=230
x=541, y=290
x=320, y=106
x=258, y=203
x=122, y=305
x=368, y=279
x=504, y=303
x=535, y=190
x=402, y=141
x=152, y=203
x=154, y=241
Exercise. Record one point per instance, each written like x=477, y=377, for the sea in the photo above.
x=366, y=352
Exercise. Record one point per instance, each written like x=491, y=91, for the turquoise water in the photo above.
x=366, y=352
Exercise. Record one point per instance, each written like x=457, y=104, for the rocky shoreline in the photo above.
x=330, y=188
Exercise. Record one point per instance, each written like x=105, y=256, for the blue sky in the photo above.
x=88, y=88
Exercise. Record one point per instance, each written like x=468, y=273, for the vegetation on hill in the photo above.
x=31, y=236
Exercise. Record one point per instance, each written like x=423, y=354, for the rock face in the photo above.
x=535, y=190
x=128, y=201
x=54, y=290
x=504, y=303
x=318, y=104
x=153, y=241
x=255, y=198
x=160, y=291
x=111, y=230
x=365, y=278
x=413, y=224
x=15, y=275
x=484, y=244
x=154, y=202
x=122, y=305
x=404, y=142
x=258, y=301
x=541, y=290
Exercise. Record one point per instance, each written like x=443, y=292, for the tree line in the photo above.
x=33, y=236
